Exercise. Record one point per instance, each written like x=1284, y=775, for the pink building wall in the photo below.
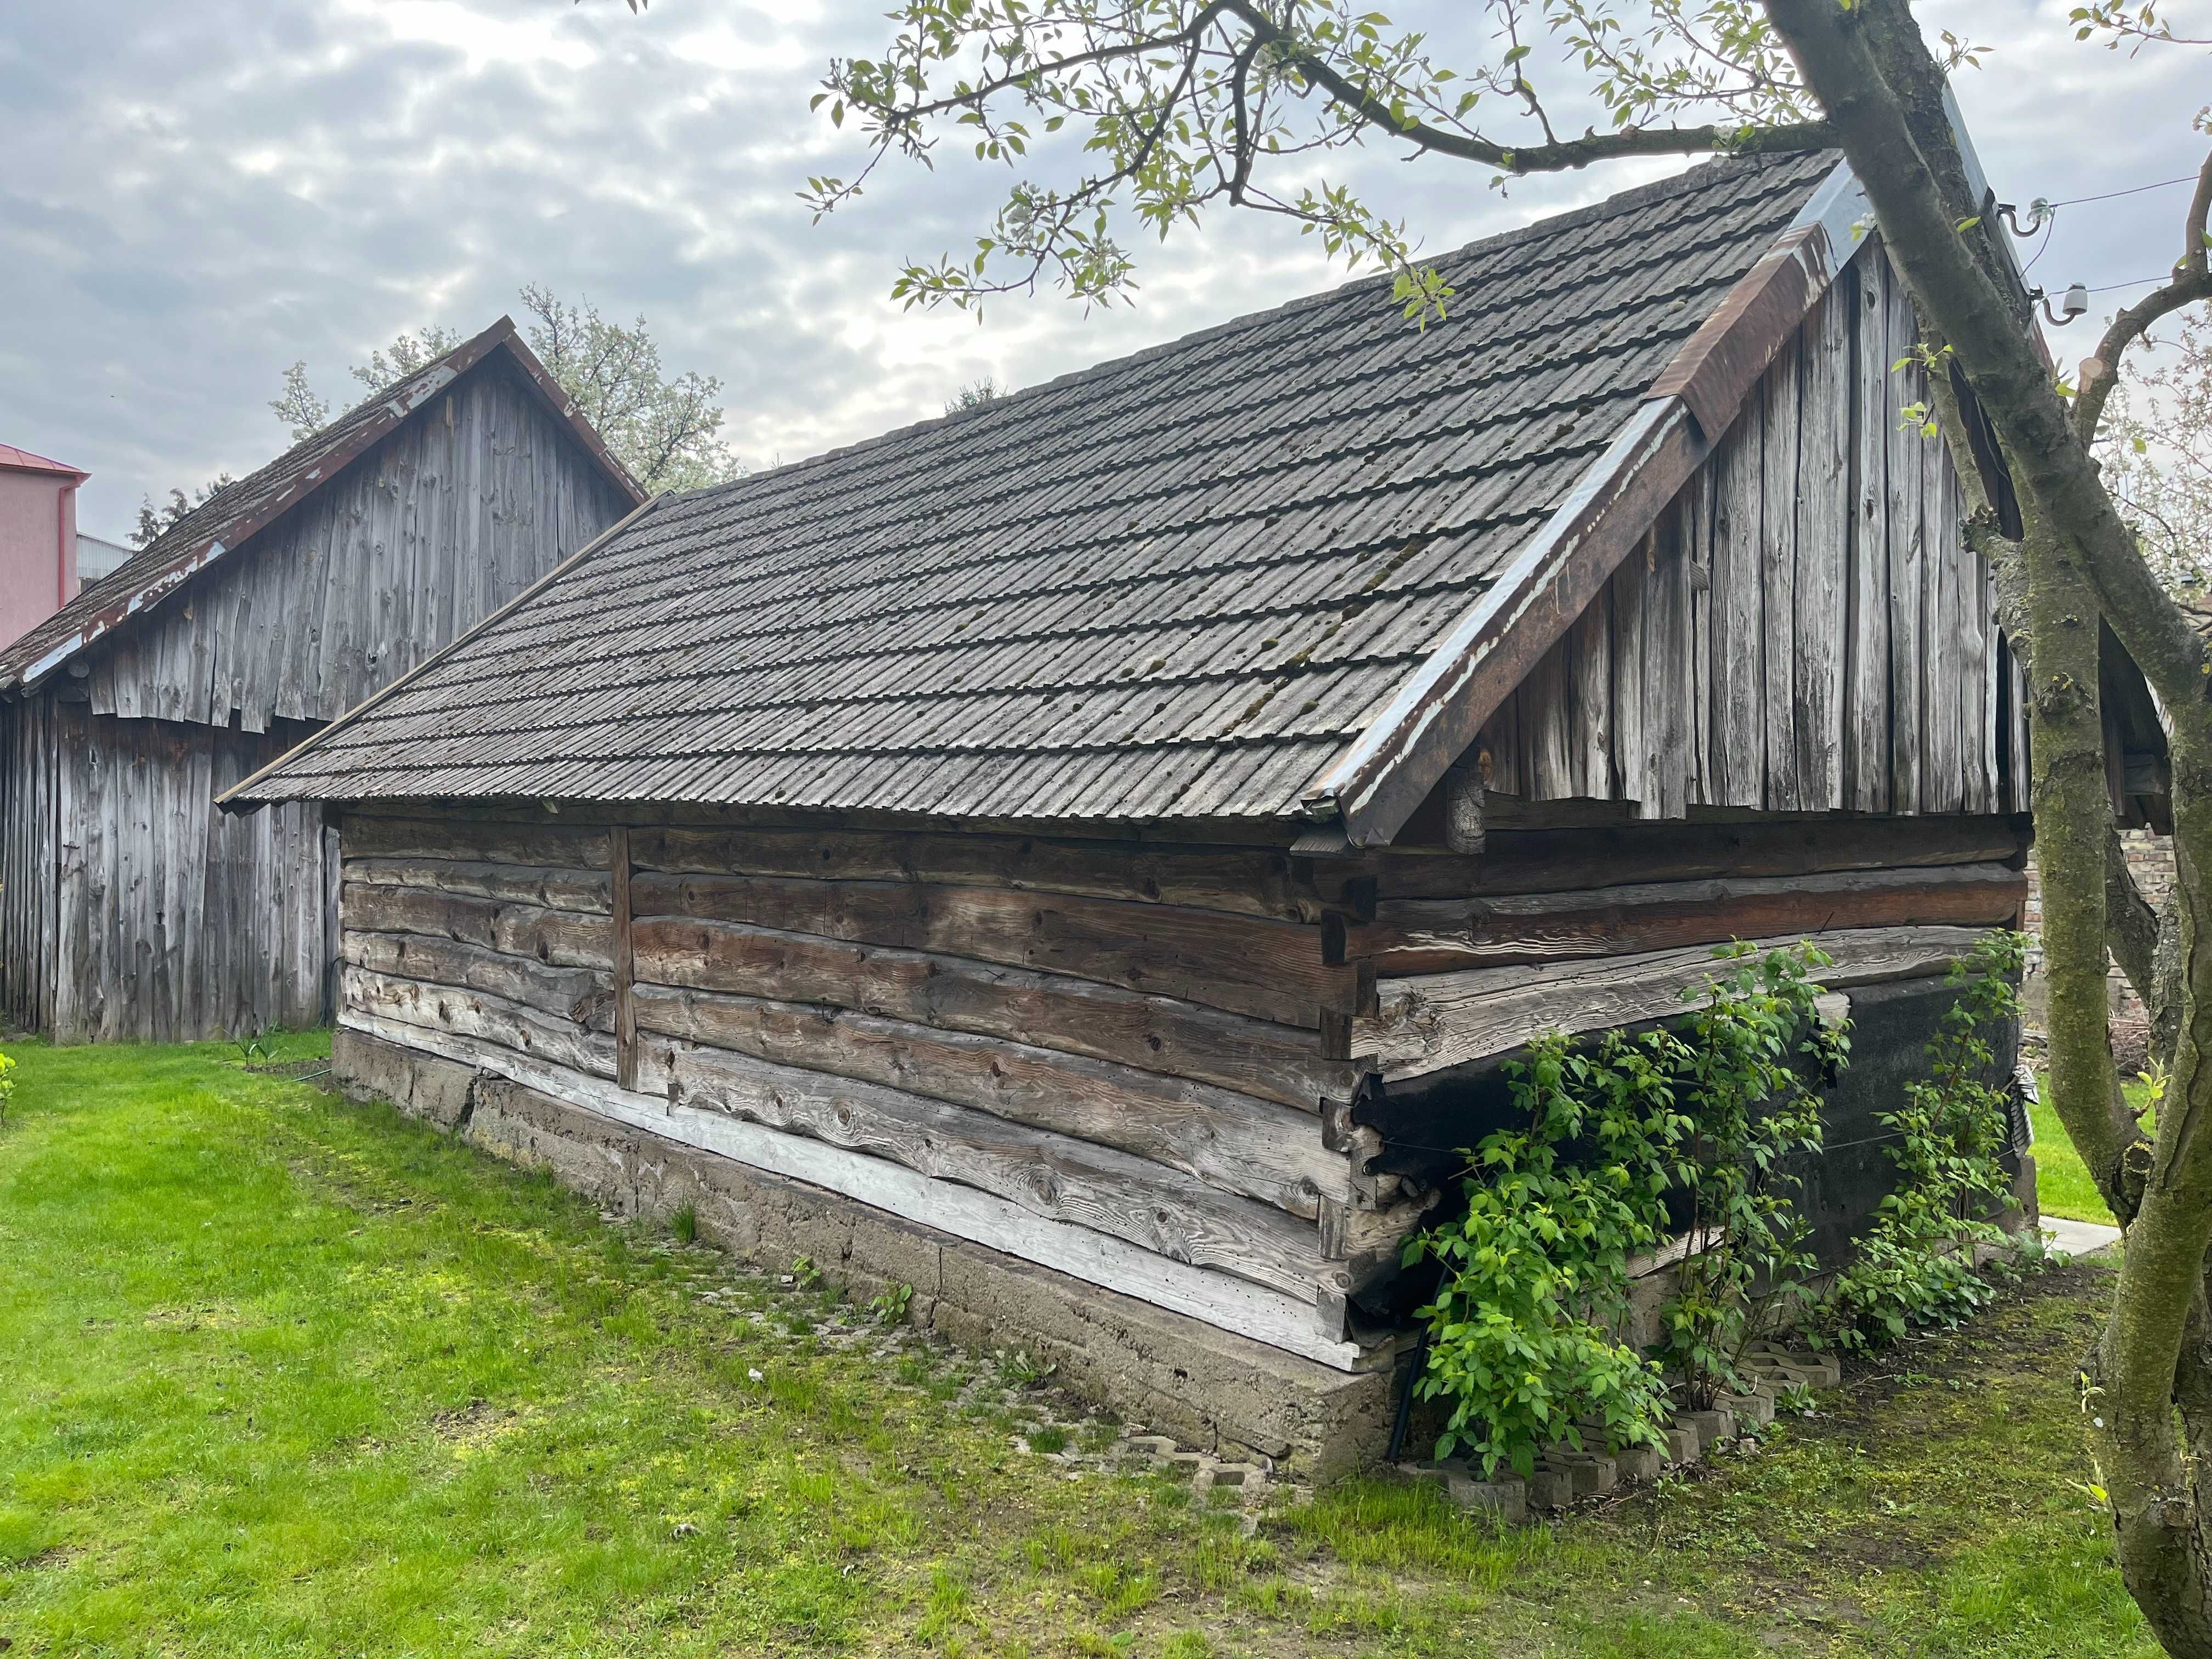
x=38, y=539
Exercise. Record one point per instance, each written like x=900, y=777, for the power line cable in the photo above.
x=2113, y=195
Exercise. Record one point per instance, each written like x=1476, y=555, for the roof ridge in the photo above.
x=1687, y=181
x=246, y=506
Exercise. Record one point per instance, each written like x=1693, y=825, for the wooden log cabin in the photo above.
x=131, y=909
x=1088, y=857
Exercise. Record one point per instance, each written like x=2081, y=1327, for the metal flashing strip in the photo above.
x=1374, y=786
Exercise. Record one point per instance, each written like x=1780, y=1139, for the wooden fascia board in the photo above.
x=241, y=796
x=1374, y=787
x=1370, y=790
x=174, y=572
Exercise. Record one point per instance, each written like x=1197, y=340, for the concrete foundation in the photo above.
x=1210, y=1389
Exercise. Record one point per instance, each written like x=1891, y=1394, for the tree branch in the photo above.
x=2192, y=281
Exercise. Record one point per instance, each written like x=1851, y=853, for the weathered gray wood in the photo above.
x=1077, y=1016
x=1738, y=659
x=1695, y=506
x=553, y=1039
x=176, y=923
x=1051, y=1176
x=1501, y=741
x=1546, y=727
x=1463, y=792
x=1822, y=534
x=1634, y=767
x=1561, y=861
x=1247, y=881
x=469, y=838
x=1219, y=1299
x=1231, y=1141
x=1249, y=965
x=1590, y=656
x=364, y=578
x=584, y=996
x=568, y=937
x=1866, y=698
x=556, y=889
x=1428, y=936
x=1944, y=667
x=625, y=976
x=1440, y=1020
x=1779, y=457
x=1906, y=557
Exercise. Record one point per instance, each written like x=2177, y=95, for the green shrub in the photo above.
x=1526, y=1334
x=1523, y=1333
x=1915, y=1267
x=1751, y=1066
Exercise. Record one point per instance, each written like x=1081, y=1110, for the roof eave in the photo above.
x=1371, y=789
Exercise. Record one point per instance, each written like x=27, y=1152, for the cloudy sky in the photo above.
x=194, y=195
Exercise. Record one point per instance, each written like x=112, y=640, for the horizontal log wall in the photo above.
x=1582, y=930
x=1108, y=1040
x=1806, y=629
x=1586, y=930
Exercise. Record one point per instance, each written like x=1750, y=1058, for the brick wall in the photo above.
x=2150, y=857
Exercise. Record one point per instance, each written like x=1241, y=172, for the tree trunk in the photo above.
x=2081, y=560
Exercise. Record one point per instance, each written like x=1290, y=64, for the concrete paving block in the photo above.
x=1638, y=1462
x=1550, y=1488
x=1778, y=1375
x=1713, y=1426
x=1154, y=1446
x=1247, y=1477
x=1594, y=1475
x=1684, y=1443
x=1752, y=1409
x=1506, y=1496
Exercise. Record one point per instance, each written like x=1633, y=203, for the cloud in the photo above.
x=197, y=196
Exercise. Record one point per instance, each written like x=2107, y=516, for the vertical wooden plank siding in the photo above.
x=1822, y=535
x=1806, y=629
x=162, y=920
x=1907, y=585
x=1695, y=507
x=1865, y=718
x=1739, y=639
x=1544, y=713
x=625, y=958
x=1634, y=764
x=1591, y=657
x=1779, y=486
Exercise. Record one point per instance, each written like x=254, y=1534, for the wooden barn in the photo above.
x=1087, y=857
x=129, y=908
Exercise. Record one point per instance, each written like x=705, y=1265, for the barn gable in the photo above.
x=1804, y=627
x=492, y=398
x=129, y=906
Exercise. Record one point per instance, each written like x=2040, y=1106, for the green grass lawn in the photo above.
x=289, y=1376
x=2063, y=1187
